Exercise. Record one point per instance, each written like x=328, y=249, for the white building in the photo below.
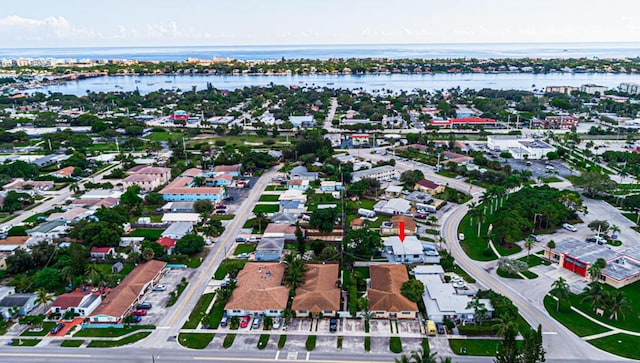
x=593, y=89
x=519, y=147
x=380, y=173
x=442, y=300
x=411, y=250
x=630, y=88
x=394, y=206
x=178, y=230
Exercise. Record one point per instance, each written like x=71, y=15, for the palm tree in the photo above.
x=594, y=271
x=481, y=218
x=294, y=276
x=66, y=273
x=403, y=359
x=528, y=244
x=148, y=254
x=260, y=218
x=92, y=274
x=560, y=289
x=596, y=293
x=504, y=324
x=423, y=356
x=42, y=297
x=479, y=309
x=473, y=211
x=618, y=303
x=614, y=230
x=74, y=187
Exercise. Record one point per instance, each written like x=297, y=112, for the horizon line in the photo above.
x=330, y=44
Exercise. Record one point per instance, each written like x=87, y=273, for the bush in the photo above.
x=395, y=345
x=340, y=338
x=228, y=341
x=367, y=344
x=282, y=341
x=477, y=330
x=262, y=342
x=311, y=343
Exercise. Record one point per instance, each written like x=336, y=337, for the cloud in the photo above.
x=45, y=28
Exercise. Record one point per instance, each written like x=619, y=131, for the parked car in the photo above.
x=224, y=321
x=241, y=240
x=221, y=206
x=245, y=321
x=461, y=236
x=136, y=318
x=144, y=305
x=569, y=227
x=256, y=322
x=56, y=329
x=277, y=322
x=333, y=325
x=243, y=255
x=600, y=240
x=221, y=211
x=591, y=240
x=140, y=312
x=440, y=328
x=534, y=237
x=160, y=287
x=419, y=216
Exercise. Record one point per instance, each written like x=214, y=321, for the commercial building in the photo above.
x=385, y=299
x=593, y=89
x=394, y=206
x=319, y=294
x=519, y=147
x=429, y=186
x=259, y=291
x=183, y=189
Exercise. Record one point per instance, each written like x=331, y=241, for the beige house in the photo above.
x=385, y=299
x=320, y=293
x=259, y=291
x=147, y=177
x=428, y=186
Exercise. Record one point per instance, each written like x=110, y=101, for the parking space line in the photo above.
x=277, y=355
x=308, y=354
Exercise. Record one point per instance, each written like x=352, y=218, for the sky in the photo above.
x=72, y=23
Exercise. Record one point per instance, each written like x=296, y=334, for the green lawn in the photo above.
x=551, y=179
x=105, y=269
x=273, y=188
x=506, y=275
x=109, y=332
x=222, y=217
x=575, y=322
x=269, y=198
x=530, y=275
x=34, y=217
x=619, y=344
x=164, y=136
x=176, y=293
x=46, y=327
x=195, y=340
x=244, y=248
x=534, y=260
x=71, y=343
x=310, y=343
x=395, y=345
x=118, y=343
x=221, y=272
x=266, y=208
x=215, y=315
x=475, y=347
x=198, y=311
x=631, y=319
x=149, y=234
x=473, y=246
x=19, y=342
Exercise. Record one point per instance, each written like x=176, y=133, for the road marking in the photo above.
x=308, y=353
x=277, y=355
x=234, y=359
x=292, y=356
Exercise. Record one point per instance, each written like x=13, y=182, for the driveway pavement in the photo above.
x=159, y=299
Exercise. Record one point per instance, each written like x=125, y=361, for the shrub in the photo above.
x=282, y=341
x=262, y=342
x=311, y=343
x=367, y=344
x=395, y=345
x=228, y=341
x=340, y=338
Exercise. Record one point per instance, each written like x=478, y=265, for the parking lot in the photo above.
x=158, y=299
x=539, y=169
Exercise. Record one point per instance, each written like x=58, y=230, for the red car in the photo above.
x=245, y=321
x=221, y=206
x=140, y=312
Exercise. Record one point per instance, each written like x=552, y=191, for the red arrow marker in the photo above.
x=401, y=232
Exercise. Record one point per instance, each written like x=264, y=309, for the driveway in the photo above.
x=159, y=299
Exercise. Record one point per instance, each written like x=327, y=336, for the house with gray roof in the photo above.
x=283, y=218
x=16, y=305
x=301, y=173
x=269, y=249
x=178, y=230
x=47, y=231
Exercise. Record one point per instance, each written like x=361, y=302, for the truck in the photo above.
x=366, y=213
x=426, y=208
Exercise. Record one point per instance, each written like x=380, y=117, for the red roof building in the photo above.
x=169, y=244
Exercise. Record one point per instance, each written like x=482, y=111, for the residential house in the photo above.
x=442, y=300
x=302, y=121
x=429, y=186
x=298, y=184
x=64, y=172
x=283, y=218
x=168, y=243
x=393, y=191
x=301, y=172
x=259, y=291
x=380, y=173
x=393, y=227
x=132, y=290
x=219, y=180
x=357, y=223
x=178, y=230
x=70, y=215
x=134, y=242
x=286, y=231
x=269, y=249
x=327, y=186
x=232, y=170
x=178, y=207
x=17, y=304
x=385, y=299
x=80, y=302
x=392, y=207
x=102, y=253
x=12, y=243
x=193, y=218
x=28, y=186
x=320, y=293
x=49, y=159
x=411, y=250
x=101, y=194
x=48, y=231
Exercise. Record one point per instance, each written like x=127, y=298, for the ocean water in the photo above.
x=395, y=51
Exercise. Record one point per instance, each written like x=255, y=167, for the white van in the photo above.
x=569, y=227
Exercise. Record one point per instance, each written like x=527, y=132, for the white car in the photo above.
x=569, y=227
x=276, y=323
x=159, y=288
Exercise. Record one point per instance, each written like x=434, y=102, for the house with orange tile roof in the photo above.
x=81, y=302
x=132, y=290
x=259, y=291
x=147, y=177
x=64, y=172
x=385, y=299
x=319, y=294
x=233, y=170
